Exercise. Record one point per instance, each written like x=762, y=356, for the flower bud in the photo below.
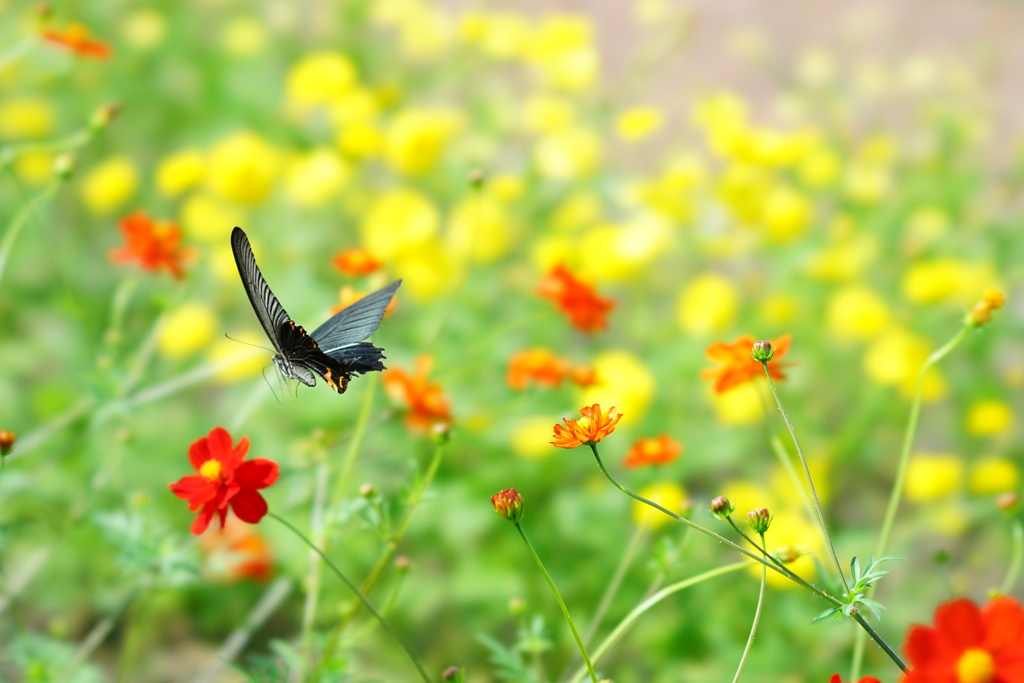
x=454, y=674
x=64, y=166
x=367, y=490
x=476, y=178
x=721, y=507
x=441, y=433
x=508, y=504
x=102, y=117
x=7, y=439
x=1008, y=502
x=516, y=606
x=402, y=563
x=762, y=351
x=981, y=313
x=759, y=520
x=787, y=554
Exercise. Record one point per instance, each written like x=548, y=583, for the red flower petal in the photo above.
x=249, y=505
x=257, y=474
x=195, y=489
x=199, y=452
x=202, y=520
x=959, y=624
x=1005, y=621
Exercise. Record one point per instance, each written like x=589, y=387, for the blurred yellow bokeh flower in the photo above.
x=546, y=113
x=932, y=476
x=989, y=416
x=179, y=172
x=867, y=183
x=186, y=330
x=819, y=168
x=638, y=123
x=320, y=78
x=669, y=495
x=618, y=252
x=579, y=209
x=208, y=219
x=34, y=167
x=531, y=437
x=315, y=178
x=708, y=304
x=844, y=260
x=241, y=362
x=360, y=139
x=791, y=529
x=109, y=184
x=499, y=35
x=481, y=226
x=856, y=312
x=741, y=405
x=144, y=28
x=946, y=278
x=426, y=270
x=924, y=227
x=25, y=117
x=563, y=53
x=416, y=138
x=993, y=475
x=785, y=213
x=242, y=167
x=398, y=221
x=507, y=187
x=572, y=153
x=623, y=381
x=895, y=359
x=244, y=37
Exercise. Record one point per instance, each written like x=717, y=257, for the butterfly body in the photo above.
x=336, y=350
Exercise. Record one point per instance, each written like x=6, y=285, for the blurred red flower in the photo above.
x=968, y=644
x=737, y=366
x=586, y=309
x=866, y=679
x=77, y=38
x=154, y=245
x=426, y=403
x=658, y=451
x=223, y=480
x=590, y=428
x=356, y=261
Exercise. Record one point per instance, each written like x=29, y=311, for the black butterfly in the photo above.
x=335, y=350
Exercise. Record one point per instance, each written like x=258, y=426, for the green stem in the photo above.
x=639, y=533
x=901, y=473
x=561, y=603
x=21, y=219
x=362, y=598
x=757, y=619
x=810, y=479
x=647, y=604
x=1016, y=557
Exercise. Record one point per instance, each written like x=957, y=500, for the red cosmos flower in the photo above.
x=867, y=679
x=224, y=480
x=737, y=365
x=659, y=451
x=76, y=38
x=154, y=245
x=586, y=309
x=426, y=403
x=591, y=428
x=968, y=644
x=356, y=261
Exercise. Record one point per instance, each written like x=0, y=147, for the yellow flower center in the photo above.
x=975, y=666
x=584, y=423
x=211, y=470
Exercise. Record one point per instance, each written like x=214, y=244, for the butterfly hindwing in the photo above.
x=268, y=309
x=355, y=322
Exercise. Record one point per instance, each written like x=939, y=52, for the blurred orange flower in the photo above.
x=737, y=366
x=539, y=364
x=426, y=403
x=586, y=309
x=237, y=552
x=658, y=451
x=356, y=261
x=591, y=428
x=76, y=38
x=154, y=245
x=583, y=376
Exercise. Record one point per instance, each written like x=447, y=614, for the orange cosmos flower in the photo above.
x=968, y=644
x=540, y=365
x=356, y=261
x=76, y=38
x=223, y=480
x=154, y=245
x=426, y=403
x=737, y=365
x=659, y=451
x=587, y=310
x=591, y=428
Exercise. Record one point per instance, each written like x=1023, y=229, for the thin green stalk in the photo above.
x=1016, y=557
x=639, y=533
x=810, y=479
x=631, y=618
x=561, y=603
x=757, y=619
x=362, y=598
x=901, y=473
x=21, y=219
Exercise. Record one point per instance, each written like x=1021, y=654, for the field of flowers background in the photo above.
x=697, y=174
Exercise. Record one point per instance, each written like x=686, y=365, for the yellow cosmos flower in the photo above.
x=109, y=184
x=549, y=251
x=669, y=495
x=187, y=330
x=208, y=219
x=708, y=304
x=785, y=213
x=320, y=79
x=622, y=380
x=530, y=437
x=25, y=117
x=941, y=279
x=426, y=270
x=179, y=172
x=618, y=252
x=740, y=405
x=896, y=358
x=315, y=178
x=638, y=123
x=242, y=168
x=856, y=312
x=933, y=476
x=993, y=475
x=988, y=417
x=399, y=221
x=562, y=51
x=415, y=139
x=570, y=154
x=480, y=226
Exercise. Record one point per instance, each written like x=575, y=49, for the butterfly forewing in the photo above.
x=356, y=322
x=268, y=309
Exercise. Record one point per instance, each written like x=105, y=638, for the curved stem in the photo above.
x=1016, y=557
x=639, y=533
x=21, y=219
x=561, y=603
x=362, y=598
